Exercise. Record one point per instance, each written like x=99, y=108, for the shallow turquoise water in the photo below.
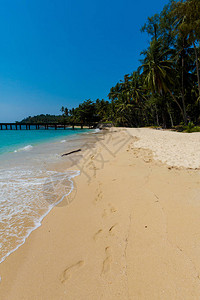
x=30, y=183
x=13, y=140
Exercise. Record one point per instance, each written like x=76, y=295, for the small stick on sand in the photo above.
x=71, y=152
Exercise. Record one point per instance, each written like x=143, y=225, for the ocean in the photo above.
x=17, y=140
x=30, y=185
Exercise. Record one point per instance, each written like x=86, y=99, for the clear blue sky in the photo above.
x=61, y=52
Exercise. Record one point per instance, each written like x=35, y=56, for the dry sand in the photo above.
x=173, y=148
x=129, y=230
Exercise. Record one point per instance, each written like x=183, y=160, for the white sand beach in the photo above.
x=129, y=230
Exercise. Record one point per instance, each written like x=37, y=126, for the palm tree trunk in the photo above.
x=197, y=66
x=164, y=119
x=174, y=98
x=182, y=88
x=170, y=115
x=153, y=115
x=157, y=119
x=147, y=118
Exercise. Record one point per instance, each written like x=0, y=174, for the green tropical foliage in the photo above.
x=43, y=119
x=165, y=90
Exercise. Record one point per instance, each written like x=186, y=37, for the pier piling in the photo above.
x=29, y=126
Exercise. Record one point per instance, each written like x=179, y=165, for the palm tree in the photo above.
x=158, y=71
x=136, y=88
x=188, y=25
x=66, y=111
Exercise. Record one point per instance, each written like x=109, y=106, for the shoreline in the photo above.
x=18, y=171
x=39, y=222
x=131, y=241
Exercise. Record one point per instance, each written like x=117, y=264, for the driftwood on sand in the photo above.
x=78, y=150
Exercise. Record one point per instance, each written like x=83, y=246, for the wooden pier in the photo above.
x=46, y=126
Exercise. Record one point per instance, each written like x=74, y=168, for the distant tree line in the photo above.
x=88, y=111
x=43, y=119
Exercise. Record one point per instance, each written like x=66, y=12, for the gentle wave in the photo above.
x=26, y=148
x=96, y=130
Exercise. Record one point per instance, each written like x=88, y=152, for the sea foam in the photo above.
x=26, y=148
x=26, y=197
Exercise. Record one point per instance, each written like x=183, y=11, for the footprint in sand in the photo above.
x=108, y=211
x=107, y=261
x=70, y=270
x=96, y=235
x=147, y=160
x=112, y=208
x=104, y=214
x=99, y=195
x=111, y=230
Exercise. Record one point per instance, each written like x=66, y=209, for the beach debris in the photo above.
x=68, y=153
